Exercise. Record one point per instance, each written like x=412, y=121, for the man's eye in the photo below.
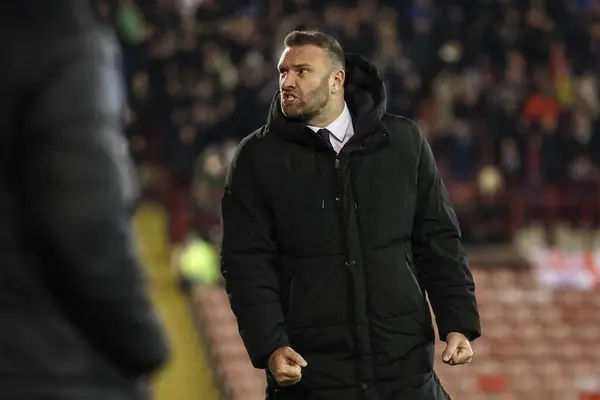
x=303, y=71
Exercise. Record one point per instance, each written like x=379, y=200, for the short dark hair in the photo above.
x=319, y=39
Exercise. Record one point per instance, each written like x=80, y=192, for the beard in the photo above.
x=309, y=105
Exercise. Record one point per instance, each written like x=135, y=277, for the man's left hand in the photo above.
x=458, y=349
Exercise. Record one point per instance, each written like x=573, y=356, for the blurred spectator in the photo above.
x=461, y=150
x=198, y=262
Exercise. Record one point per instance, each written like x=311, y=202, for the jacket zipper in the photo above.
x=291, y=285
x=412, y=274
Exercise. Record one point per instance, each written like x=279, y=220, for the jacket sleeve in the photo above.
x=439, y=254
x=78, y=192
x=248, y=260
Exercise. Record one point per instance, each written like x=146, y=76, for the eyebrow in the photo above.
x=298, y=66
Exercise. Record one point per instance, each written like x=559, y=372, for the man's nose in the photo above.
x=288, y=82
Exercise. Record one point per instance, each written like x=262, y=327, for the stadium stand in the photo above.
x=539, y=345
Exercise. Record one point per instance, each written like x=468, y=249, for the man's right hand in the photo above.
x=286, y=366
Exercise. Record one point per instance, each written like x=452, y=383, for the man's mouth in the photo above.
x=288, y=99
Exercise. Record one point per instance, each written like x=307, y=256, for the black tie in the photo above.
x=324, y=135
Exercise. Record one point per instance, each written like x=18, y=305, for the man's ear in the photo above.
x=339, y=78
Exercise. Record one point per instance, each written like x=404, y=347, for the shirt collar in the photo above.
x=339, y=126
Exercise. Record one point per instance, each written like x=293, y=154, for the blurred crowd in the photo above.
x=506, y=92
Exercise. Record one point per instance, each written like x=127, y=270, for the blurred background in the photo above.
x=506, y=91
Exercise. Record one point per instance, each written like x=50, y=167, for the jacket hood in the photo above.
x=364, y=93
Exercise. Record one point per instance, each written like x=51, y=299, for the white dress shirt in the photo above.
x=341, y=129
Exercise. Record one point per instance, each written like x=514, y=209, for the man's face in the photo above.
x=305, y=77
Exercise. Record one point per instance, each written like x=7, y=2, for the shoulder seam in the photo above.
x=412, y=125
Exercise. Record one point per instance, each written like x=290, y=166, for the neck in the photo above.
x=328, y=116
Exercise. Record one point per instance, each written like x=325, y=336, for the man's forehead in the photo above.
x=309, y=54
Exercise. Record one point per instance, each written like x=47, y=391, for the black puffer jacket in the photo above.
x=333, y=254
x=75, y=318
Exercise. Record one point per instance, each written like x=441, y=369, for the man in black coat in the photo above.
x=336, y=225
x=75, y=319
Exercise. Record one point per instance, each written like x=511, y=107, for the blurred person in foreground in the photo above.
x=76, y=321
x=336, y=225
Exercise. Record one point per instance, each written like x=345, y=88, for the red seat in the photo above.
x=491, y=383
x=589, y=396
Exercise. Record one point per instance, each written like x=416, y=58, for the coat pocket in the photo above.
x=318, y=292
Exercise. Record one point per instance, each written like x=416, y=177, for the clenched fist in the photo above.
x=458, y=349
x=286, y=366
